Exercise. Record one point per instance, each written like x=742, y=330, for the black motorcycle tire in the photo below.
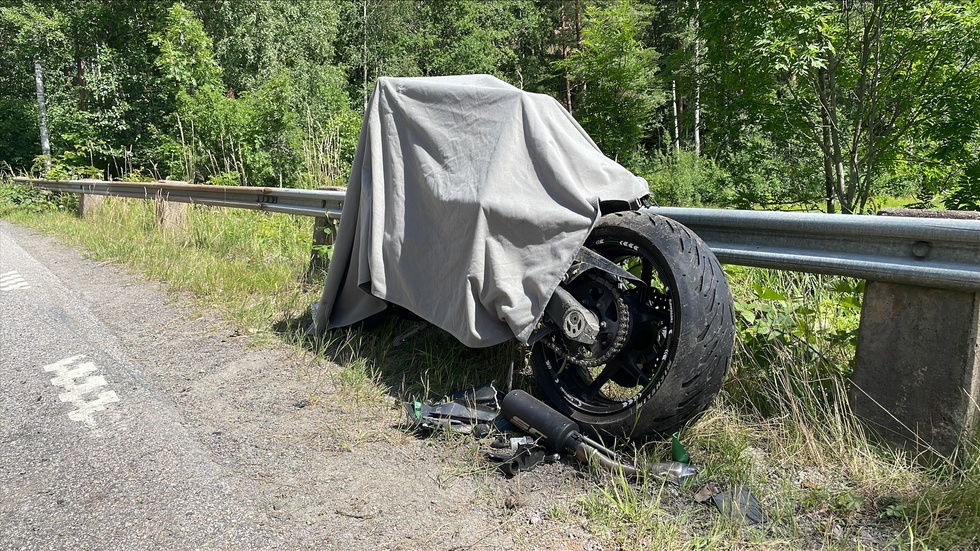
x=679, y=344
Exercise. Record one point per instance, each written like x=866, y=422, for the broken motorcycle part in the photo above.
x=525, y=458
x=469, y=411
x=740, y=504
x=560, y=434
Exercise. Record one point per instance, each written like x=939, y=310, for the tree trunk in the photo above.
x=697, y=119
x=80, y=79
x=677, y=126
x=828, y=167
x=565, y=48
x=825, y=146
x=840, y=174
x=364, y=59
x=562, y=24
x=42, y=113
x=697, y=78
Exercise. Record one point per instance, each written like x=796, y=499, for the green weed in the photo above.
x=14, y=198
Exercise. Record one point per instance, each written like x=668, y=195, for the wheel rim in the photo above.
x=633, y=374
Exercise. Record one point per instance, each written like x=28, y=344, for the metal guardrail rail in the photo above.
x=928, y=252
x=304, y=202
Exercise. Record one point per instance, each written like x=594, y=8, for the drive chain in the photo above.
x=578, y=358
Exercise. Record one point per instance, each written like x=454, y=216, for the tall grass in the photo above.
x=249, y=265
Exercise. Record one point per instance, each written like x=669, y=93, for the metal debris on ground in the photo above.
x=548, y=435
x=740, y=504
x=470, y=411
x=522, y=454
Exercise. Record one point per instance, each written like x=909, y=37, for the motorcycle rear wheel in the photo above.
x=670, y=360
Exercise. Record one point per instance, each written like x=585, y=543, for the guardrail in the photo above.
x=929, y=252
x=322, y=203
x=917, y=367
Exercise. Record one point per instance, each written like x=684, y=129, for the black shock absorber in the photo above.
x=560, y=434
x=555, y=431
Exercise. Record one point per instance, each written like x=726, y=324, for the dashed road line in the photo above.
x=77, y=382
x=10, y=281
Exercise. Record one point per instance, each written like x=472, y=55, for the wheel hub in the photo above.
x=601, y=297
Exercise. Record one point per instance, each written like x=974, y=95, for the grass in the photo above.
x=248, y=265
x=781, y=426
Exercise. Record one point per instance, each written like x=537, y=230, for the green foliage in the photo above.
x=685, y=180
x=809, y=318
x=264, y=89
x=615, y=92
x=869, y=85
x=15, y=197
x=966, y=196
x=254, y=137
x=374, y=39
x=27, y=198
x=257, y=40
x=505, y=38
x=762, y=173
x=33, y=28
x=186, y=52
x=461, y=36
x=248, y=265
x=18, y=131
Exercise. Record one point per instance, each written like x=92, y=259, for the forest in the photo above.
x=830, y=105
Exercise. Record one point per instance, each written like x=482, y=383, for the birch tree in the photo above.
x=35, y=34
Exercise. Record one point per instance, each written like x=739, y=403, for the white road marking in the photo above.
x=10, y=281
x=76, y=382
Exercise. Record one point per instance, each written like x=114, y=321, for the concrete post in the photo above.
x=171, y=216
x=88, y=204
x=916, y=379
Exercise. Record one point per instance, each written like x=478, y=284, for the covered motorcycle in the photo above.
x=490, y=213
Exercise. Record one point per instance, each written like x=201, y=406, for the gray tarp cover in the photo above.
x=467, y=201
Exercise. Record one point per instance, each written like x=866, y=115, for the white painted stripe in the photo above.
x=10, y=281
x=65, y=375
x=86, y=409
x=76, y=382
x=75, y=391
x=21, y=285
x=60, y=364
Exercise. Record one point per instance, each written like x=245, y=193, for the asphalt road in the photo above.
x=91, y=455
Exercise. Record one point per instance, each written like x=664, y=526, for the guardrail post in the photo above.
x=88, y=204
x=170, y=215
x=324, y=235
x=916, y=380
